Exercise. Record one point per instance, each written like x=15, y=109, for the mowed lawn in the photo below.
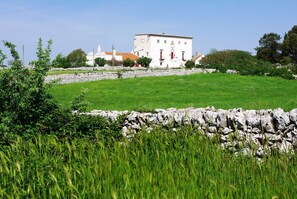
x=199, y=90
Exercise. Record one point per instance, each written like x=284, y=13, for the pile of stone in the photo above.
x=95, y=76
x=254, y=132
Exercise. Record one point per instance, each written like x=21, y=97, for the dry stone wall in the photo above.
x=254, y=132
x=95, y=76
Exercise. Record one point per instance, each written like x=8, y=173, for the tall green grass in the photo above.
x=199, y=90
x=159, y=164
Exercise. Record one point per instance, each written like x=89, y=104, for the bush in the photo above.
x=128, y=63
x=114, y=62
x=100, y=61
x=190, y=64
x=144, y=61
x=243, y=62
x=60, y=62
x=24, y=96
x=27, y=108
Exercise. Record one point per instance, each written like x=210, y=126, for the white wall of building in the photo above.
x=91, y=56
x=165, y=50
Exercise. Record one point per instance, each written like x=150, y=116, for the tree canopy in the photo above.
x=60, y=62
x=290, y=45
x=77, y=58
x=273, y=50
x=270, y=48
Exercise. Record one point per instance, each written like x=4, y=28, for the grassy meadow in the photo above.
x=160, y=164
x=199, y=90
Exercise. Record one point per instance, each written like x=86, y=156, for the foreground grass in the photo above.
x=199, y=90
x=155, y=165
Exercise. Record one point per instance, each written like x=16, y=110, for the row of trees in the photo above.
x=78, y=58
x=270, y=54
x=274, y=50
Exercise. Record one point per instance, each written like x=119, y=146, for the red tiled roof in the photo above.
x=125, y=55
x=198, y=56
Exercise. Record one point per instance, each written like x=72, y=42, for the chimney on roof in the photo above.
x=99, y=49
x=113, y=52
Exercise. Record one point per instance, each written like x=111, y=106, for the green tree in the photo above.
x=77, y=58
x=60, y=62
x=2, y=58
x=144, y=61
x=190, y=64
x=270, y=48
x=100, y=61
x=128, y=63
x=289, y=46
x=25, y=100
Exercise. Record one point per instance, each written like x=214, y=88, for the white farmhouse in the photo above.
x=118, y=56
x=165, y=50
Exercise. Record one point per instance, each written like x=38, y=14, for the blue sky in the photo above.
x=72, y=24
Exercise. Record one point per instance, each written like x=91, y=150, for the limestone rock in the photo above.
x=281, y=118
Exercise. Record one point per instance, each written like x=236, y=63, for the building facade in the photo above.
x=165, y=50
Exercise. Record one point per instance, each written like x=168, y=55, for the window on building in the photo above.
x=165, y=41
x=158, y=41
x=185, y=43
x=178, y=42
x=172, y=42
x=161, y=57
x=147, y=54
x=183, y=55
x=172, y=55
x=138, y=54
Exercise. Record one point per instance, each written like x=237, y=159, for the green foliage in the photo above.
x=144, y=61
x=270, y=48
x=243, y=62
x=128, y=63
x=290, y=45
x=60, y=62
x=77, y=58
x=2, y=58
x=78, y=103
x=160, y=164
x=24, y=96
x=28, y=108
x=190, y=64
x=100, y=61
x=114, y=62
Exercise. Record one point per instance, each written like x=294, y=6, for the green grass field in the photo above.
x=156, y=165
x=199, y=90
x=159, y=164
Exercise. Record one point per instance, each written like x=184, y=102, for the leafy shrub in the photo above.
x=24, y=96
x=79, y=103
x=100, y=61
x=128, y=63
x=190, y=64
x=27, y=108
x=144, y=61
x=243, y=62
x=60, y=62
x=114, y=62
